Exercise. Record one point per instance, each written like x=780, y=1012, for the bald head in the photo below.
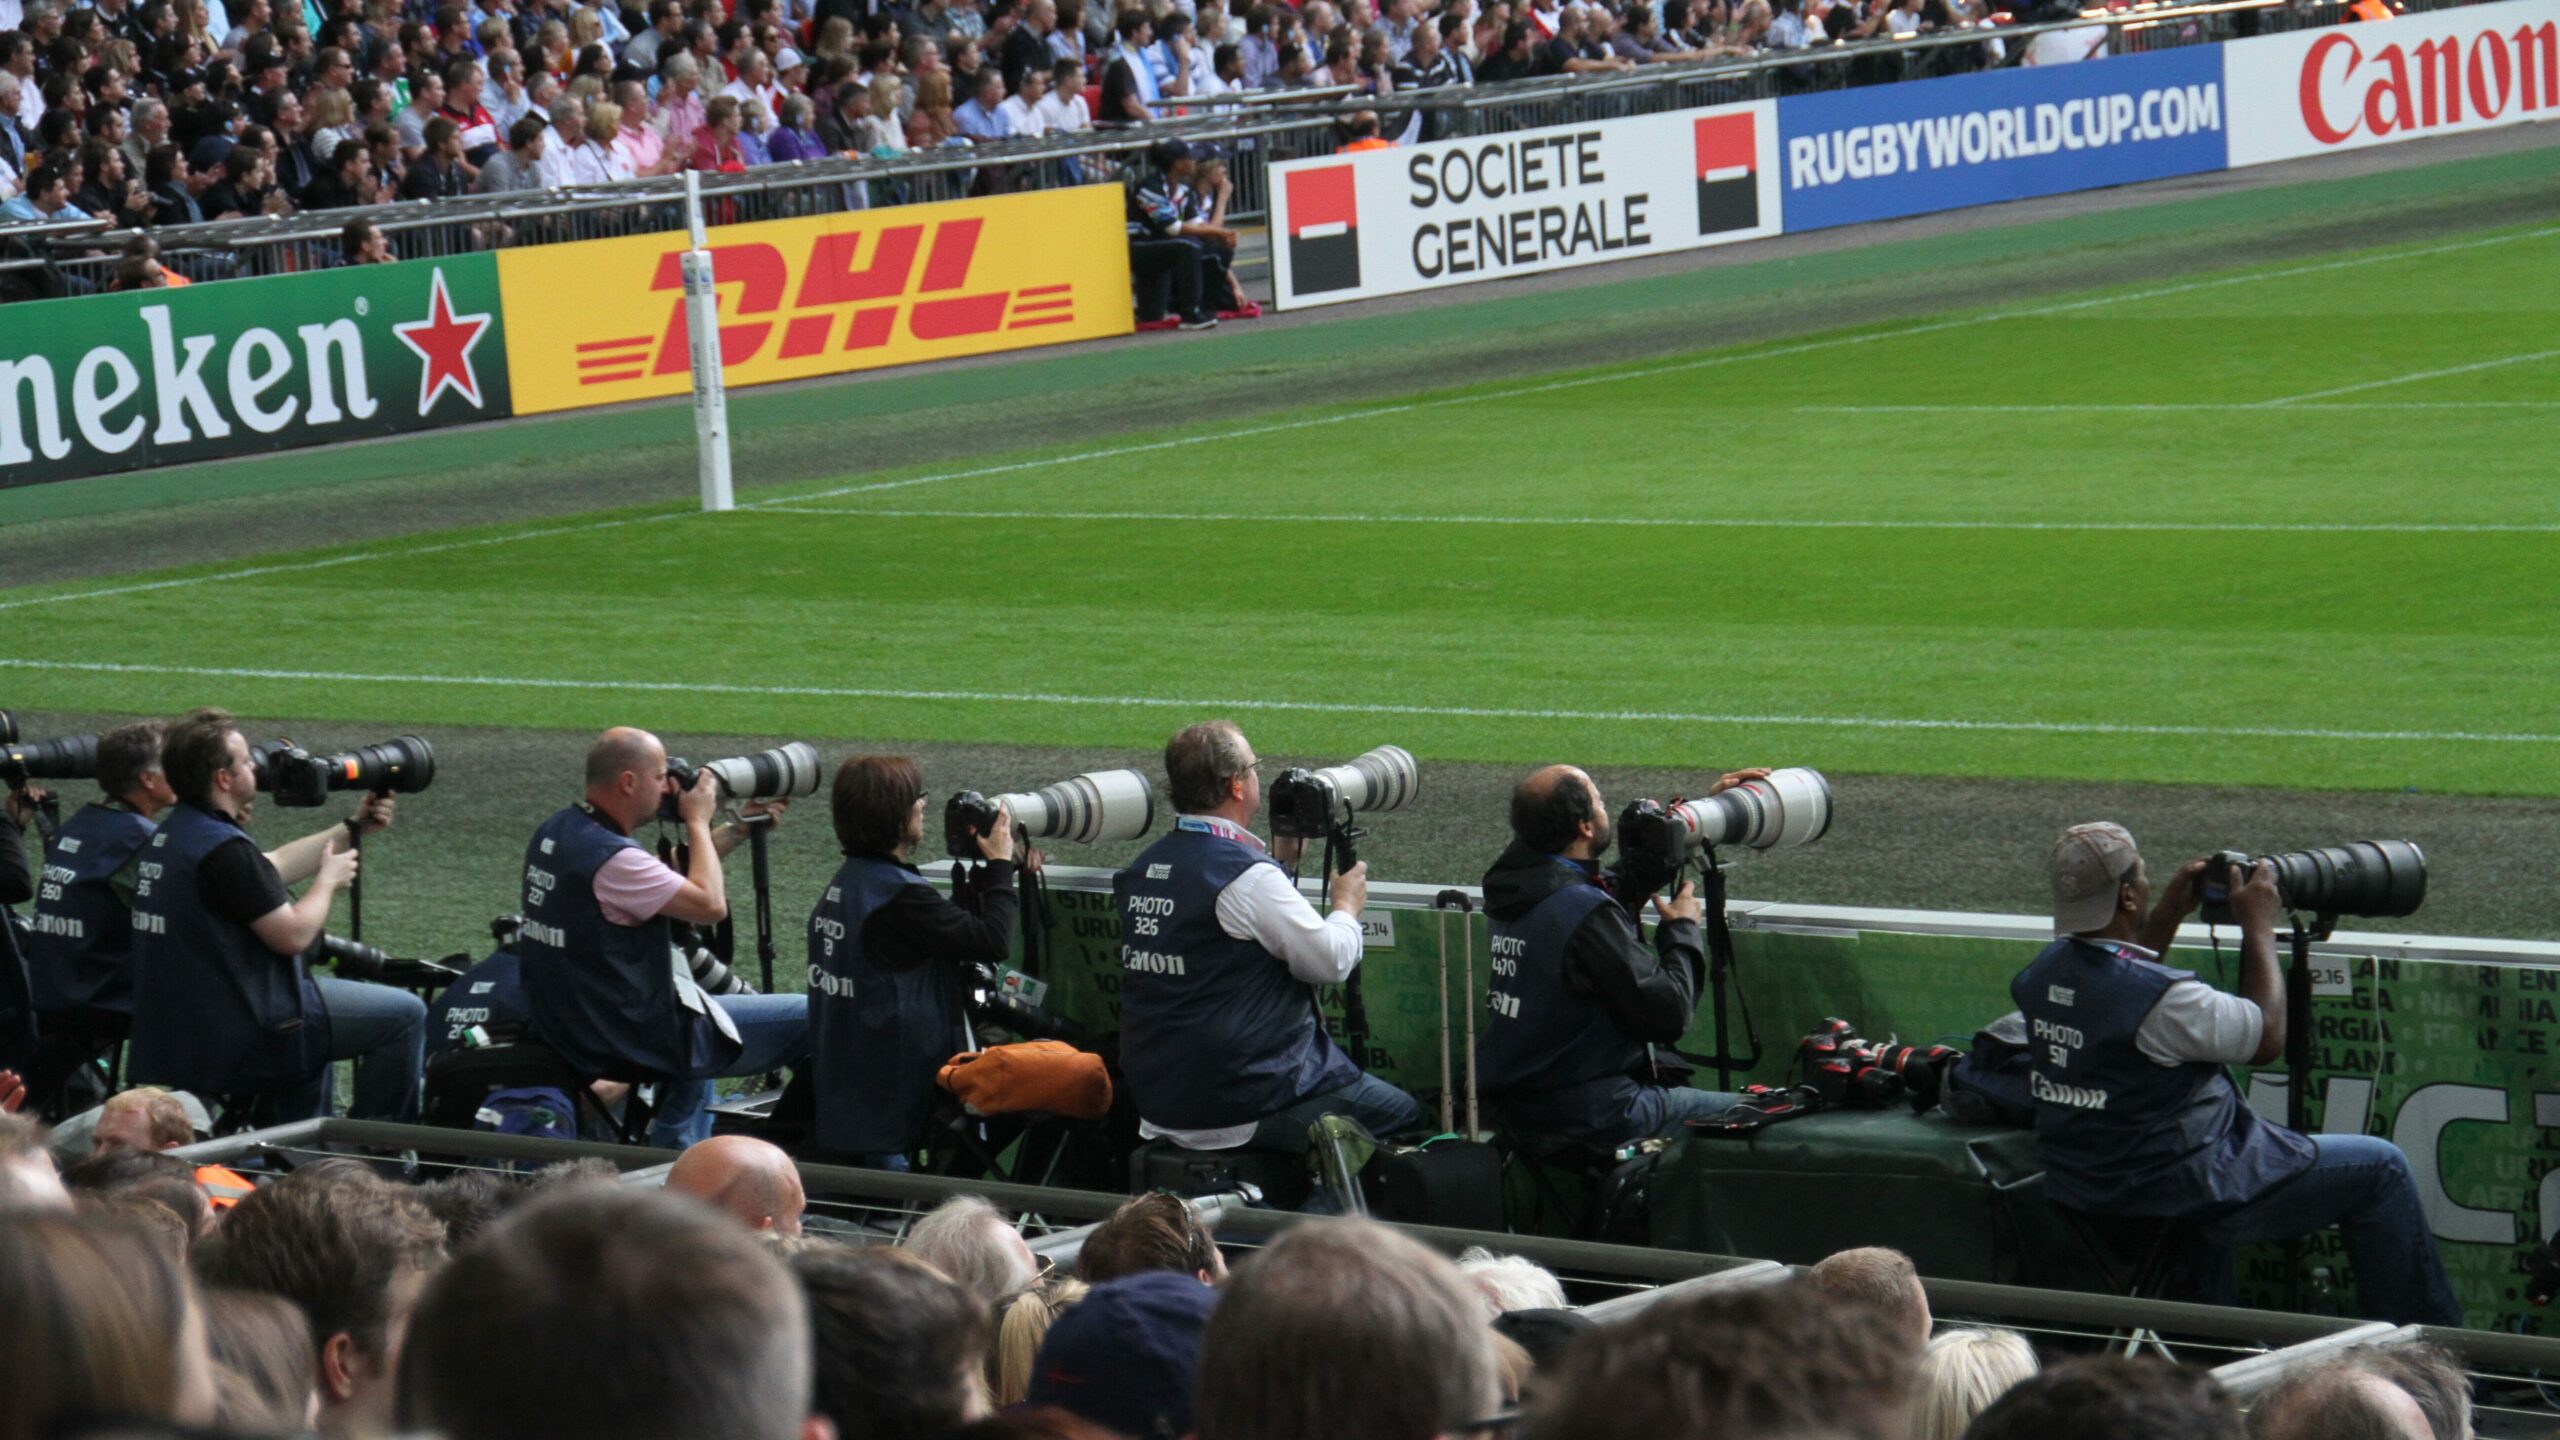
x=626, y=774
x=752, y=1180
x=1558, y=811
x=2338, y=1402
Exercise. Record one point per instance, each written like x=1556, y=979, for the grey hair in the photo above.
x=1510, y=1282
x=1961, y=1373
x=957, y=1237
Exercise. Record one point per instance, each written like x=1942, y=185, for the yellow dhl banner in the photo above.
x=597, y=321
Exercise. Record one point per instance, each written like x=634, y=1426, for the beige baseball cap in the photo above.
x=2089, y=865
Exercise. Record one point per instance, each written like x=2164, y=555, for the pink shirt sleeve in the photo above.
x=633, y=887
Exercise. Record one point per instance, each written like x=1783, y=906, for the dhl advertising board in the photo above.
x=601, y=321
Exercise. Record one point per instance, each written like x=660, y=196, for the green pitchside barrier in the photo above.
x=2447, y=1047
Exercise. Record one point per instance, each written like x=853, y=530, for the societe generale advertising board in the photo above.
x=1451, y=212
x=2435, y=73
x=600, y=321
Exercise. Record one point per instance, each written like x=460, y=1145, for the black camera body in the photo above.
x=966, y=818
x=296, y=779
x=1304, y=805
x=2224, y=871
x=1653, y=841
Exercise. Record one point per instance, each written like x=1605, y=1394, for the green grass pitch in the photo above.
x=2288, y=525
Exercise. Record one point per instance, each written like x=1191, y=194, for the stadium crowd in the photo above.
x=173, y=112
x=573, y=1305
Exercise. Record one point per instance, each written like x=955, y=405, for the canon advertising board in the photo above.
x=2435, y=73
x=1452, y=212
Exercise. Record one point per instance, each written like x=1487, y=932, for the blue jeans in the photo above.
x=384, y=1031
x=1677, y=1106
x=1380, y=1107
x=2361, y=1185
x=775, y=1031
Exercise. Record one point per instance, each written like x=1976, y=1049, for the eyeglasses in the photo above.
x=1502, y=1420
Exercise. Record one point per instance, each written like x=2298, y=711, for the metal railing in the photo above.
x=1256, y=129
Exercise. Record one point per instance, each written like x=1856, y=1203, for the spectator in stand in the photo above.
x=1426, y=66
x=1508, y=1283
x=931, y=121
x=843, y=129
x=642, y=148
x=382, y=150
x=1961, y=1373
x=603, y=126
x=519, y=166
x=970, y=1241
x=715, y=145
x=478, y=132
x=1021, y=111
x=347, y=181
x=881, y=128
x=410, y=124
x=143, y=1120
x=261, y=1364
x=750, y=1180
x=567, y=157
x=1128, y=81
x=103, y=1325
x=755, y=83
x=1152, y=1232
x=107, y=191
x=1127, y=1356
x=1757, y=1364
x=173, y=200
x=1515, y=59
x=353, y=1251
x=1788, y=29
x=602, y=1313
x=1063, y=110
x=1021, y=1324
x=1345, y=1330
x=47, y=198
x=2112, y=1398
x=666, y=22
x=797, y=137
x=897, y=1345
x=982, y=120
x=682, y=113
x=2431, y=1375
x=1882, y=1280
x=506, y=96
x=1026, y=46
x=437, y=172
x=1575, y=52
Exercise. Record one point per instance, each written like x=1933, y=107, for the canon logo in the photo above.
x=2452, y=81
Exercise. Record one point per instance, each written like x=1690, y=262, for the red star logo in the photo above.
x=444, y=340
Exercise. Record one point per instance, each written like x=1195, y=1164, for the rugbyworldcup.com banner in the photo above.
x=603, y=320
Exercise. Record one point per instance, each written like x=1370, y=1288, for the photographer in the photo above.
x=1577, y=999
x=603, y=981
x=81, y=956
x=1221, y=1037
x=889, y=961
x=223, y=999
x=2136, y=1115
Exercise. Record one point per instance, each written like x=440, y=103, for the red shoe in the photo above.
x=1250, y=310
x=1167, y=323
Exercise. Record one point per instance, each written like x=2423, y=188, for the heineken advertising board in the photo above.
x=2457, y=1064
x=105, y=383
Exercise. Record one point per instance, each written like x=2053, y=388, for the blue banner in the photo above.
x=1886, y=150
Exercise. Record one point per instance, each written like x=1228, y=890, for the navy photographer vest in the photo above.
x=81, y=955
x=604, y=995
x=1537, y=1035
x=2118, y=1133
x=214, y=1010
x=877, y=1038
x=489, y=993
x=1214, y=1031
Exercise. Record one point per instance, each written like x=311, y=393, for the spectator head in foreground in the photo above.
x=2431, y=1375
x=1127, y=1356
x=610, y=1314
x=1345, y=1330
x=2112, y=1398
x=1882, y=1280
x=353, y=1251
x=143, y=1118
x=2337, y=1401
x=896, y=1345
x=147, y=1176
x=261, y=1364
x=1022, y=1323
x=1961, y=1373
x=101, y=1323
x=1777, y=1360
x=970, y=1241
x=1510, y=1282
x=751, y=1179
x=28, y=1180
x=1152, y=1232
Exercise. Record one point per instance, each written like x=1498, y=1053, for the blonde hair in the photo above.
x=1021, y=1327
x=1961, y=1373
x=585, y=28
x=332, y=108
x=604, y=120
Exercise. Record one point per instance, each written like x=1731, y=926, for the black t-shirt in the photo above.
x=238, y=884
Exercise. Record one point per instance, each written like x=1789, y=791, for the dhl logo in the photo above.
x=853, y=290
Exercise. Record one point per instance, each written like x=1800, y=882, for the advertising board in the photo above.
x=600, y=321
x=2437, y=73
x=1883, y=151
x=1452, y=212
x=103, y=383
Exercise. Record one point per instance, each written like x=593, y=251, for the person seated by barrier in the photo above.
x=1221, y=1038
x=224, y=1002
x=80, y=956
x=1578, y=1000
x=751, y=1181
x=145, y=1119
x=2137, y=1116
x=890, y=958
x=603, y=981
x=1164, y=258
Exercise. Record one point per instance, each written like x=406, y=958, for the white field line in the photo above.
x=2137, y=408
x=1665, y=522
x=1210, y=704
x=393, y=552
x=2418, y=375
x=1642, y=372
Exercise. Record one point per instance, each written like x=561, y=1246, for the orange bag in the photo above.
x=1048, y=1075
